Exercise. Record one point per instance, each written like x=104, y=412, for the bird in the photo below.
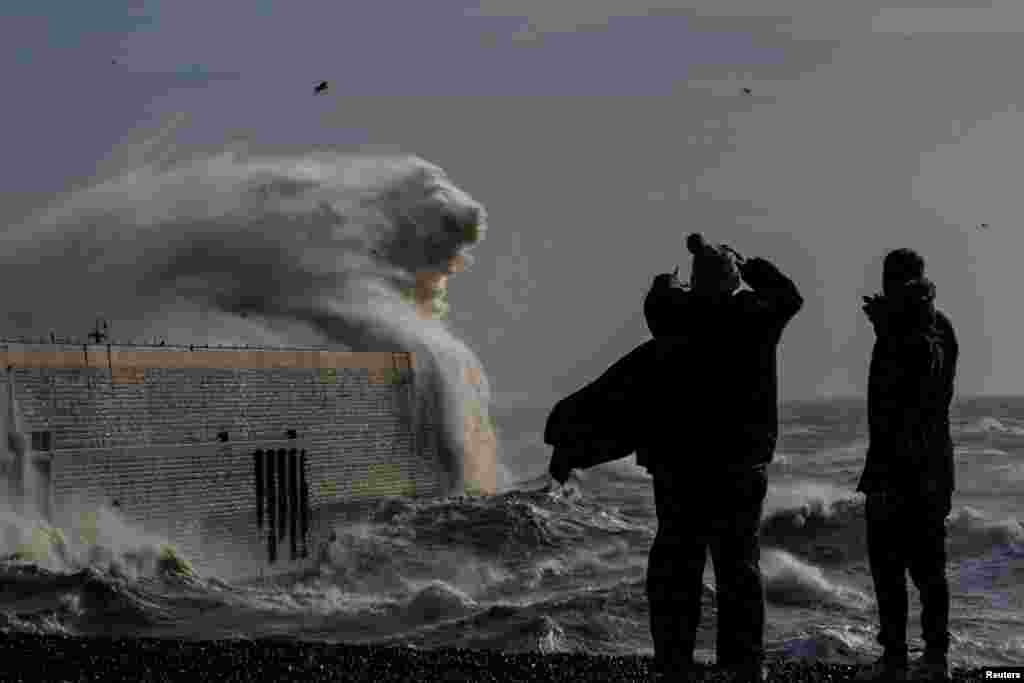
x=983, y=226
x=322, y=87
x=746, y=91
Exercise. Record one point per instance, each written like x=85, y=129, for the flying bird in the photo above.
x=321, y=88
x=983, y=226
x=746, y=91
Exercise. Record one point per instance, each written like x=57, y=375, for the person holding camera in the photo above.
x=708, y=455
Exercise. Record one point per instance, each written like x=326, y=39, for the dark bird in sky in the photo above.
x=983, y=226
x=321, y=88
x=746, y=91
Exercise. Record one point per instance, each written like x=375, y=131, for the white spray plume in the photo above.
x=239, y=247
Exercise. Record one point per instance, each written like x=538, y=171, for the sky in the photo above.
x=598, y=134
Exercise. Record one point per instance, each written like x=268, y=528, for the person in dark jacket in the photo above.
x=609, y=418
x=909, y=474
x=708, y=460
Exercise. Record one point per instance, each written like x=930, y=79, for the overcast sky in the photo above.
x=598, y=133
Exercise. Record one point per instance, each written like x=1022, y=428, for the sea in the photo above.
x=547, y=568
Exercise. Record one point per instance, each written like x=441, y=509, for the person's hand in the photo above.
x=559, y=467
x=878, y=310
x=695, y=243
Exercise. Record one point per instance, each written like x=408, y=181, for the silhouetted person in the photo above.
x=909, y=474
x=321, y=87
x=708, y=454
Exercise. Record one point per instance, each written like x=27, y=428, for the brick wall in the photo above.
x=140, y=425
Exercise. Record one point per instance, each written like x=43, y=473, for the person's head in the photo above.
x=715, y=271
x=900, y=266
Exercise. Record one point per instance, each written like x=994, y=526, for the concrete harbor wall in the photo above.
x=206, y=445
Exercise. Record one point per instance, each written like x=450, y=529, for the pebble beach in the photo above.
x=27, y=657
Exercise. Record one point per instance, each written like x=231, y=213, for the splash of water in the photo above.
x=241, y=247
x=85, y=536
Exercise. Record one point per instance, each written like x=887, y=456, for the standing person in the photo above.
x=708, y=461
x=909, y=474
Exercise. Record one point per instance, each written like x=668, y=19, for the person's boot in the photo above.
x=886, y=668
x=931, y=666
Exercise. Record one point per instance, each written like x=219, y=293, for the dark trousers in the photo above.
x=722, y=514
x=908, y=533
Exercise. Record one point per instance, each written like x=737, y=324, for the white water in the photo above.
x=241, y=247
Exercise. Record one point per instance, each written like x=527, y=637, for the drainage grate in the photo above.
x=282, y=500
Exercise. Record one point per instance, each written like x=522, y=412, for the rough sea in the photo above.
x=548, y=569
x=305, y=246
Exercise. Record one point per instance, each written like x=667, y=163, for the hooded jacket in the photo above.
x=719, y=383
x=910, y=388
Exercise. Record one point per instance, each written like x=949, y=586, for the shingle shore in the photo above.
x=26, y=657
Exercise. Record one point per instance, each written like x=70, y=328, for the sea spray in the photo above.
x=235, y=246
x=85, y=540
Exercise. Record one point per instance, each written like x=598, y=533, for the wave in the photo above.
x=983, y=451
x=436, y=601
x=973, y=533
x=239, y=247
x=834, y=533
x=482, y=546
x=791, y=582
x=39, y=600
x=502, y=628
x=857, y=645
x=846, y=644
x=604, y=617
x=991, y=425
x=84, y=536
x=88, y=570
